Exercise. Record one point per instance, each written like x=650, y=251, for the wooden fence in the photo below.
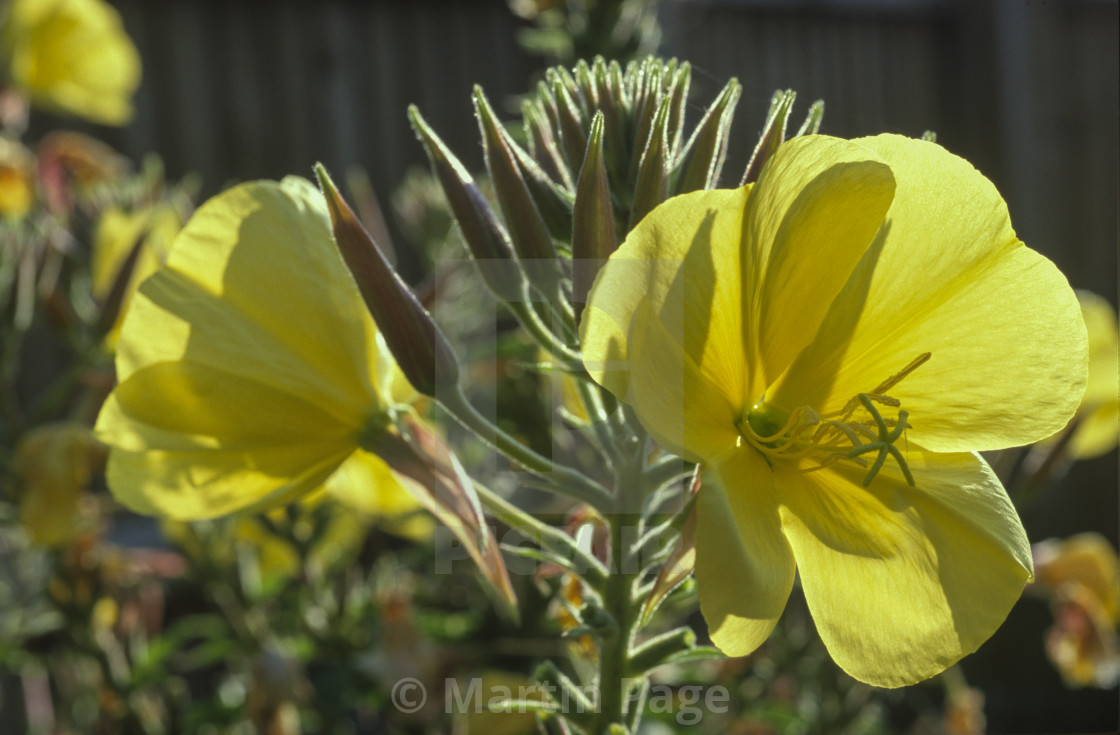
x=237, y=89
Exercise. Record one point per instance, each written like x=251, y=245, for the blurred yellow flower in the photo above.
x=834, y=343
x=17, y=180
x=54, y=463
x=1081, y=575
x=249, y=368
x=71, y=57
x=1098, y=417
x=114, y=236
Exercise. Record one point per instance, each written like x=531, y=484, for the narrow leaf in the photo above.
x=677, y=568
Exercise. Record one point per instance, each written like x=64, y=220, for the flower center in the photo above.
x=856, y=430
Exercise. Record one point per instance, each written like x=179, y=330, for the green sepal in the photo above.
x=586, y=84
x=526, y=226
x=613, y=104
x=812, y=122
x=486, y=240
x=542, y=141
x=773, y=134
x=415, y=340
x=678, y=93
x=651, y=186
x=571, y=123
x=593, y=228
x=701, y=162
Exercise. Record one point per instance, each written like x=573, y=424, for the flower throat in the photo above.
x=847, y=434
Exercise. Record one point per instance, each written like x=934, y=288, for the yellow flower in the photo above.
x=1099, y=415
x=1081, y=575
x=72, y=57
x=834, y=343
x=116, y=233
x=17, y=180
x=249, y=368
x=54, y=463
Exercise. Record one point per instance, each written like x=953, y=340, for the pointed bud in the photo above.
x=646, y=101
x=486, y=239
x=678, y=92
x=652, y=185
x=586, y=83
x=702, y=160
x=417, y=344
x=542, y=141
x=553, y=200
x=571, y=124
x=527, y=228
x=593, y=235
x=773, y=134
x=612, y=102
x=812, y=122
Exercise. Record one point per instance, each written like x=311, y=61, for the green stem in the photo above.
x=546, y=536
x=563, y=479
x=618, y=600
x=541, y=334
x=597, y=418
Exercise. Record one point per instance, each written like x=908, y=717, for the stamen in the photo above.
x=836, y=436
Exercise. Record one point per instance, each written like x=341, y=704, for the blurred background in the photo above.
x=1024, y=89
x=1027, y=91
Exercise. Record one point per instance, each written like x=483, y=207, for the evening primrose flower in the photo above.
x=1098, y=417
x=54, y=464
x=249, y=368
x=116, y=234
x=835, y=343
x=1081, y=576
x=71, y=57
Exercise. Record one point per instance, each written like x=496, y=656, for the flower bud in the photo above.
x=700, y=164
x=652, y=184
x=527, y=227
x=417, y=344
x=486, y=239
x=773, y=134
x=593, y=233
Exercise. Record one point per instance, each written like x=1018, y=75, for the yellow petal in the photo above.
x=253, y=286
x=744, y=568
x=674, y=259
x=248, y=363
x=815, y=211
x=904, y=581
x=174, y=404
x=680, y=407
x=947, y=276
x=365, y=483
x=184, y=484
